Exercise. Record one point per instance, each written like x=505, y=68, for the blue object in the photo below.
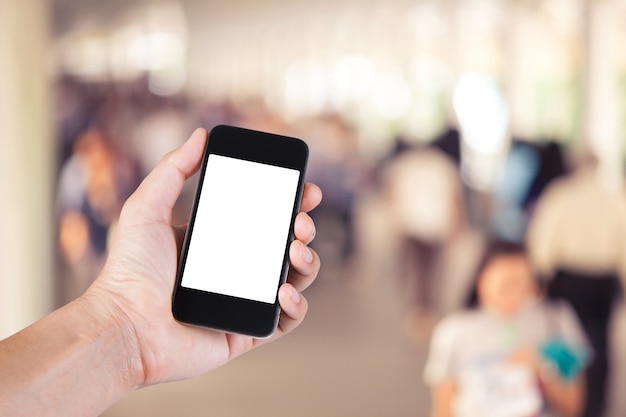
x=568, y=361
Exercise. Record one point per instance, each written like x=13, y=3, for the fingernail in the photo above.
x=307, y=255
x=295, y=295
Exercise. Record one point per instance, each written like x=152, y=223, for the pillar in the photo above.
x=26, y=165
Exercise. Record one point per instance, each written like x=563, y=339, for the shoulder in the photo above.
x=567, y=325
x=456, y=324
x=454, y=321
x=443, y=344
x=556, y=191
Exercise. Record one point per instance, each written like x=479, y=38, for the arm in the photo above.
x=120, y=335
x=443, y=397
x=439, y=370
x=77, y=360
x=567, y=398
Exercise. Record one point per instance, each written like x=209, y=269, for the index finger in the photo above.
x=311, y=197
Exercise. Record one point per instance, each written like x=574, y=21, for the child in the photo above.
x=510, y=354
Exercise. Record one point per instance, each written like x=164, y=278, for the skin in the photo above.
x=443, y=395
x=507, y=284
x=120, y=335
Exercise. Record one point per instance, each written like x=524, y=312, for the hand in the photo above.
x=136, y=284
x=564, y=397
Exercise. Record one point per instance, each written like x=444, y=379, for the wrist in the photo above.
x=116, y=336
x=78, y=360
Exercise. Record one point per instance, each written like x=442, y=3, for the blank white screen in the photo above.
x=241, y=228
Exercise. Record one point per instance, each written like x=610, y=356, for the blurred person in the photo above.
x=71, y=113
x=120, y=335
x=423, y=190
x=336, y=166
x=510, y=353
x=89, y=201
x=552, y=165
x=577, y=241
x=509, y=217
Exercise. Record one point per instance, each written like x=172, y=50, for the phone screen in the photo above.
x=242, y=226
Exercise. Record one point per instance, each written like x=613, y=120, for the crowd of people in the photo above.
x=539, y=287
x=551, y=299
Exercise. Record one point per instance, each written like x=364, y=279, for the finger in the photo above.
x=160, y=189
x=293, y=308
x=311, y=197
x=304, y=265
x=304, y=228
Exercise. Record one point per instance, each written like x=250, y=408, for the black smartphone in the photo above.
x=235, y=254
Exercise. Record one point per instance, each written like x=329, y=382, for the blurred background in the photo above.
x=434, y=126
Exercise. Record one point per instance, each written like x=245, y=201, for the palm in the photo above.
x=149, y=255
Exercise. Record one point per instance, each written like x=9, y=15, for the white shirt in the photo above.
x=472, y=348
x=581, y=225
x=424, y=188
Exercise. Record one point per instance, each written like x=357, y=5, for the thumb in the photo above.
x=156, y=195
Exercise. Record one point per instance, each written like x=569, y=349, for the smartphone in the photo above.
x=235, y=254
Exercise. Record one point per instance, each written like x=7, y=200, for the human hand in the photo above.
x=136, y=284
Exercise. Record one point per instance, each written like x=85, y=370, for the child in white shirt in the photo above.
x=511, y=354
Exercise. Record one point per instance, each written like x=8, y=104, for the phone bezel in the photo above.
x=222, y=312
